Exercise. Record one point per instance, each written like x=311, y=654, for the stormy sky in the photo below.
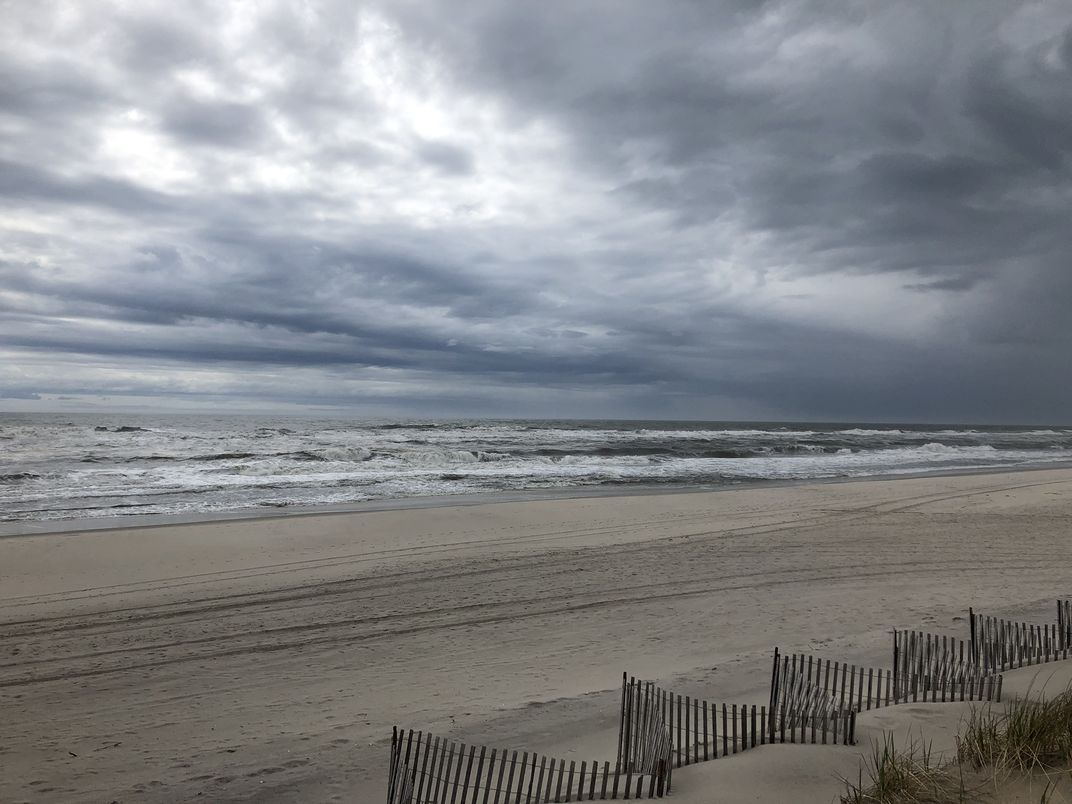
x=582, y=208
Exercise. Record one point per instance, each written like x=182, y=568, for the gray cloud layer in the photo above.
x=604, y=208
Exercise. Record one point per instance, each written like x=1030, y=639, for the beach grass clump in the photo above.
x=1030, y=734
x=1029, y=741
x=910, y=775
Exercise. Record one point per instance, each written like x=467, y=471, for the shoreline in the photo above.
x=23, y=528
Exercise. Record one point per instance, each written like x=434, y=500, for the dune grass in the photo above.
x=1031, y=734
x=904, y=775
x=1030, y=740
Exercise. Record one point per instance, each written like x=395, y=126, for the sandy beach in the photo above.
x=267, y=659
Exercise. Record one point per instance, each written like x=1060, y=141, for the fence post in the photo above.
x=1060, y=625
x=621, y=720
x=774, y=681
x=896, y=665
x=971, y=636
x=391, y=771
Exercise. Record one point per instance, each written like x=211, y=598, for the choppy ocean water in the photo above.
x=61, y=466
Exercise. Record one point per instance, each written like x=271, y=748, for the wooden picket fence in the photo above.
x=926, y=667
x=806, y=686
x=658, y=731
x=939, y=667
x=399, y=777
x=645, y=743
x=1064, y=624
x=812, y=700
x=431, y=770
x=998, y=644
x=701, y=731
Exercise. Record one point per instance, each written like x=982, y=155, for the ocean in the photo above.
x=66, y=466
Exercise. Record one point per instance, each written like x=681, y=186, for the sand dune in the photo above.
x=269, y=658
x=812, y=772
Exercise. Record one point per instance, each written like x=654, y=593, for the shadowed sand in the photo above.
x=268, y=659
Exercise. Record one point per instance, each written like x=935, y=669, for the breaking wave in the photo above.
x=53, y=468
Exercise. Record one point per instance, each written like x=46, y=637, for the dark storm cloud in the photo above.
x=50, y=91
x=155, y=44
x=1024, y=107
x=20, y=184
x=329, y=291
x=230, y=125
x=818, y=209
x=166, y=287
x=828, y=141
x=948, y=161
x=446, y=157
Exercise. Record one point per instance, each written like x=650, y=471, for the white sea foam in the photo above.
x=343, y=453
x=944, y=449
x=857, y=431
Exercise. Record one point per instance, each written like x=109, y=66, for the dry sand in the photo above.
x=268, y=659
